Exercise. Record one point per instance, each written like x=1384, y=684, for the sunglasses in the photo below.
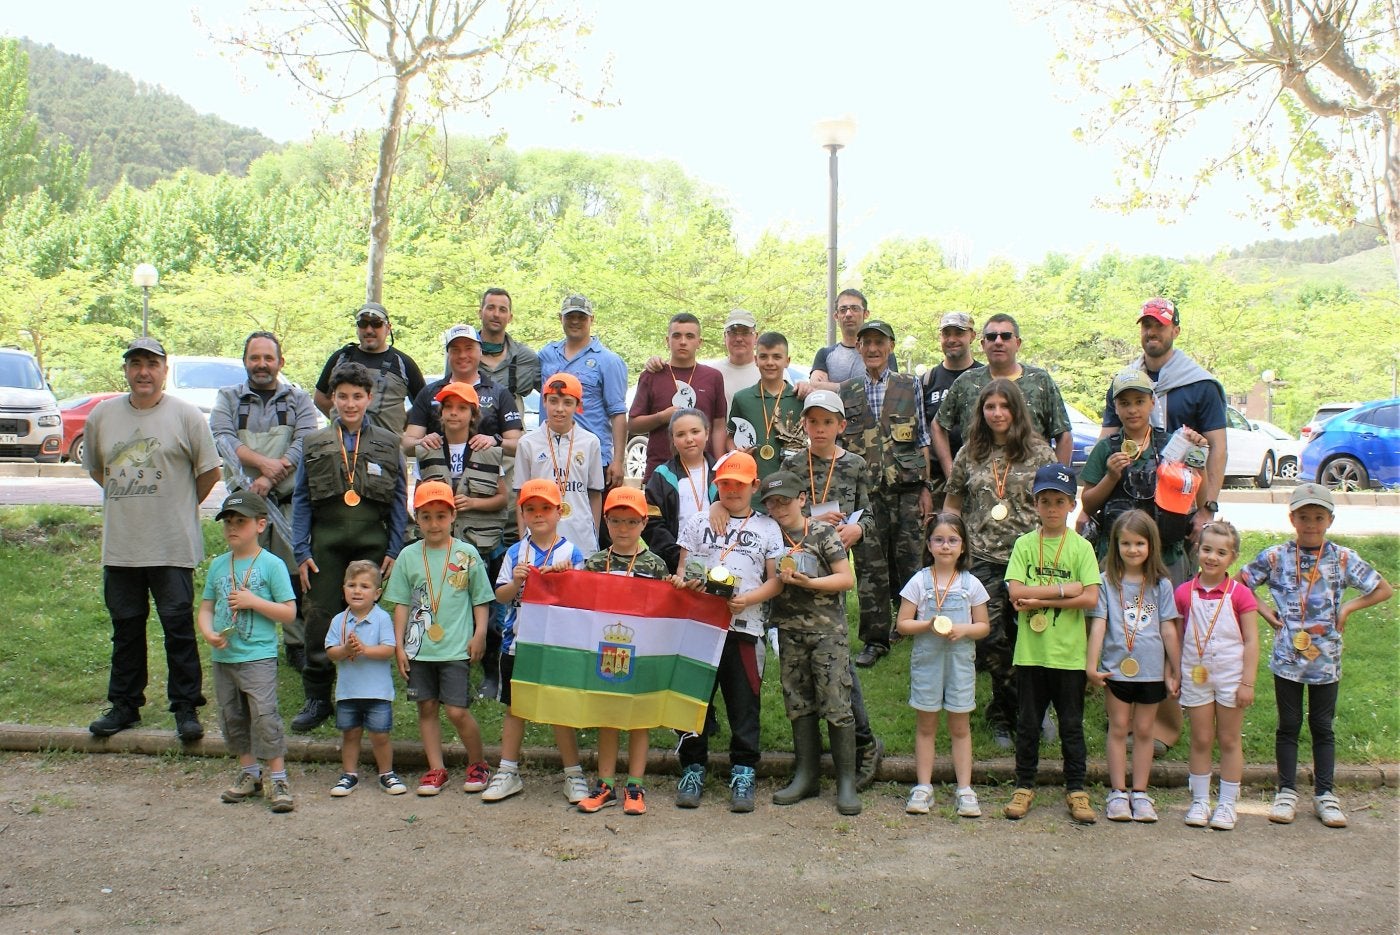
x=370, y=323
x=991, y=337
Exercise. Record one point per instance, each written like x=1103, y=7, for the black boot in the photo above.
x=187, y=725
x=117, y=718
x=843, y=757
x=313, y=714
x=806, y=776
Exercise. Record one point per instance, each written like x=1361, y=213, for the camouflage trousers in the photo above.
x=996, y=650
x=816, y=674
x=887, y=560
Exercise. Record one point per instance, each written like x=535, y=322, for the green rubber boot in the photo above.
x=807, y=774
x=843, y=756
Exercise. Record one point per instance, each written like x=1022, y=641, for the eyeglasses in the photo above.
x=615, y=520
x=370, y=323
x=991, y=337
x=849, y=309
x=937, y=541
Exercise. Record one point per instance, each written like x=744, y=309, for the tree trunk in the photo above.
x=379, y=191
x=1390, y=185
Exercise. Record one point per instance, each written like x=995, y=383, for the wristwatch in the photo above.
x=1211, y=505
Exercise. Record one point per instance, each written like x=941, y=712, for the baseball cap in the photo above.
x=876, y=324
x=460, y=331
x=148, y=345
x=825, y=399
x=462, y=391
x=538, y=489
x=960, y=320
x=372, y=310
x=626, y=498
x=1311, y=495
x=1161, y=310
x=576, y=303
x=433, y=491
x=243, y=503
x=565, y=383
x=1054, y=477
x=1177, y=485
x=780, y=484
x=740, y=316
x=737, y=465
x=1131, y=379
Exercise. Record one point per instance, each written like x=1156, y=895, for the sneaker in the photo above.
x=1329, y=810
x=118, y=717
x=1224, y=817
x=281, y=797
x=392, y=784
x=868, y=759
x=1198, y=815
x=576, y=788
x=187, y=726
x=478, y=777
x=502, y=786
x=1080, y=811
x=1002, y=738
x=432, y=782
x=1144, y=809
x=741, y=789
x=244, y=787
x=1117, y=808
x=1285, y=807
x=346, y=785
x=1020, y=803
x=601, y=798
x=690, y=786
x=312, y=715
x=920, y=800
x=634, y=800
x=968, y=806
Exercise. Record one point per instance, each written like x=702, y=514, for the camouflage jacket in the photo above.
x=799, y=608
x=889, y=443
x=1044, y=403
x=976, y=482
x=846, y=482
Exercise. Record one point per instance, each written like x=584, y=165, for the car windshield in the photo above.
x=20, y=372
x=208, y=374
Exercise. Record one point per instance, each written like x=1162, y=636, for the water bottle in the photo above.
x=1176, y=447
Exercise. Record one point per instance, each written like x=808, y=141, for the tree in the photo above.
x=434, y=55
x=27, y=161
x=1314, y=81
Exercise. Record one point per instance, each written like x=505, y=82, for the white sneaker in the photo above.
x=576, y=788
x=1117, y=808
x=1285, y=807
x=1144, y=809
x=968, y=806
x=1198, y=815
x=1224, y=817
x=920, y=800
x=1329, y=810
x=502, y=786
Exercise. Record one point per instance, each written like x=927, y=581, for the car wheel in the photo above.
x=1343, y=473
x=75, y=450
x=635, y=459
x=1287, y=468
x=1265, y=477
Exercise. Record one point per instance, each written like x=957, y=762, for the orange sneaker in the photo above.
x=602, y=797
x=634, y=800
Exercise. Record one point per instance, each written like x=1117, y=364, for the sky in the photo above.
x=963, y=135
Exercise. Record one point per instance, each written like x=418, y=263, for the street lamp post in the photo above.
x=833, y=134
x=145, y=276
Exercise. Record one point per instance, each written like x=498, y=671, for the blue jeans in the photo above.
x=127, y=593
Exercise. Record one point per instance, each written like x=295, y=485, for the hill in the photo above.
x=1367, y=272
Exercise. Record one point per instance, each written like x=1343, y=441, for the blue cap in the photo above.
x=1055, y=477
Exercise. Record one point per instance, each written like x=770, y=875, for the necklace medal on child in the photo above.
x=1039, y=622
x=1129, y=667
x=1130, y=448
x=565, y=508
x=351, y=498
x=767, y=452
x=789, y=561
x=942, y=623
x=435, y=631
x=1199, y=675
x=1302, y=640
x=1001, y=511
x=684, y=396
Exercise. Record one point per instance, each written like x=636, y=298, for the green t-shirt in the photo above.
x=777, y=422
x=458, y=584
x=252, y=635
x=1065, y=642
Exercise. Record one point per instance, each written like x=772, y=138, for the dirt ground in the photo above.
x=115, y=843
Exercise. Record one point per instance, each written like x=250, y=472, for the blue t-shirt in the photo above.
x=362, y=677
x=603, y=376
x=539, y=558
x=252, y=636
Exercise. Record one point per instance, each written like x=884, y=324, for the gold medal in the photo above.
x=1301, y=641
x=1130, y=448
x=766, y=452
x=351, y=498
x=1039, y=623
x=1129, y=667
x=1000, y=512
x=942, y=625
x=1199, y=674
x=1311, y=653
x=565, y=510
x=435, y=632
x=787, y=563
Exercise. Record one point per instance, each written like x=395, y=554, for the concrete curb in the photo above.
x=31, y=739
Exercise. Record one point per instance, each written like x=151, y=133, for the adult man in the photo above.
x=498, y=421
x=504, y=360
x=885, y=425
x=842, y=361
x=258, y=426
x=1001, y=342
x=737, y=366
x=681, y=383
x=396, y=376
x=155, y=460
x=603, y=376
x=955, y=333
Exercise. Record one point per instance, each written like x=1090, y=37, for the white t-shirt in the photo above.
x=745, y=549
x=736, y=376
x=574, y=461
x=686, y=493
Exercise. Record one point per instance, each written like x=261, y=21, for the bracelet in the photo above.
x=1062, y=592
x=1246, y=685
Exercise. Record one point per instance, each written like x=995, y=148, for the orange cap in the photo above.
x=565, y=383
x=539, y=489
x=626, y=498
x=737, y=465
x=433, y=491
x=462, y=391
x=1177, y=485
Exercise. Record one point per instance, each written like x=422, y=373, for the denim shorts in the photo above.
x=942, y=674
x=375, y=715
x=448, y=682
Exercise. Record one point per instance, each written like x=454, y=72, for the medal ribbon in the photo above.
x=434, y=601
x=613, y=556
x=1131, y=634
x=725, y=554
x=1055, y=563
x=767, y=422
x=795, y=546
x=568, y=461
x=1000, y=482
x=1195, y=629
x=938, y=600
x=233, y=584
x=349, y=465
x=699, y=503
x=1312, y=577
x=812, y=479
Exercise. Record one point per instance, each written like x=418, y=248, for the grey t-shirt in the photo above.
x=1158, y=604
x=148, y=460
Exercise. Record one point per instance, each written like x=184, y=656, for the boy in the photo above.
x=814, y=651
x=441, y=598
x=748, y=549
x=247, y=593
x=1052, y=580
x=569, y=455
x=349, y=504
x=770, y=406
x=361, y=642
x=542, y=547
x=625, y=512
x=679, y=383
x=476, y=477
x=1308, y=622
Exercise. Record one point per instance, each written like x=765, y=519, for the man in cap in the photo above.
x=396, y=376
x=955, y=334
x=603, y=376
x=498, y=421
x=842, y=361
x=738, y=367
x=155, y=460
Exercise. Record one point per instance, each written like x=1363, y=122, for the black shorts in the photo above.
x=507, y=668
x=1138, y=692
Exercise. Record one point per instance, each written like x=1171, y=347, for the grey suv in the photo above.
x=31, y=428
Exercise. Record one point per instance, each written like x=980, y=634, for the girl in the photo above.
x=682, y=486
x=1134, y=650
x=1219, y=659
x=944, y=609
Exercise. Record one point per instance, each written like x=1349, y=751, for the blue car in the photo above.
x=1357, y=449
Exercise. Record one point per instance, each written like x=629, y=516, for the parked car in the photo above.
x=1357, y=449
x=1249, y=453
x=1287, y=449
x=30, y=426
x=1325, y=413
x=199, y=379
x=1086, y=435
x=75, y=411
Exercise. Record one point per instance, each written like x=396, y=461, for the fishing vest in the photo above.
x=481, y=472
x=325, y=469
x=1136, y=490
x=390, y=389
x=890, y=443
x=270, y=443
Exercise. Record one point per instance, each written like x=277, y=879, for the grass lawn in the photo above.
x=57, y=646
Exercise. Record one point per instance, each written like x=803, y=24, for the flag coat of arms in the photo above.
x=600, y=650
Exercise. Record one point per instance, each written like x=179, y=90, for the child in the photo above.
x=1308, y=623
x=541, y=547
x=748, y=550
x=681, y=487
x=814, y=652
x=770, y=407
x=361, y=642
x=944, y=609
x=477, y=480
x=441, y=598
x=678, y=383
x=248, y=592
x=1135, y=652
x=1219, y=663
x=624, y=511
x=567, y=454
x=1051, y=579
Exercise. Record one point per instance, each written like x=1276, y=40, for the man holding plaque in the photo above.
x=680, y=383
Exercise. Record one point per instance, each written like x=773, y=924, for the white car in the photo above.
x=1287, y=449
x=1248, y=451
x=199, y=379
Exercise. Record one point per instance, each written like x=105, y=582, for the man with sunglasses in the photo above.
x=842, y=361
x=396, y=376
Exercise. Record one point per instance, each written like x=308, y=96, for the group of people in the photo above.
x=941, y=501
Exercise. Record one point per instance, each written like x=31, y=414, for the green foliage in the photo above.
x=28, y=160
